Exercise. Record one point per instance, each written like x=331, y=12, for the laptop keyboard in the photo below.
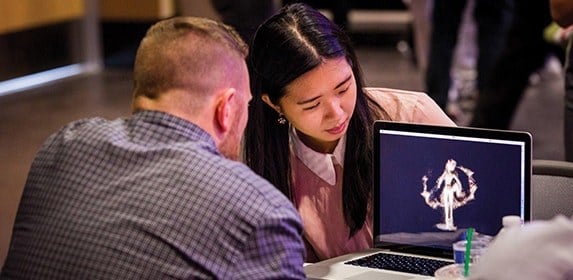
x=400, y=263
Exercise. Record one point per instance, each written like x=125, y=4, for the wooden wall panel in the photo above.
x=24, y=14
x=136, y=10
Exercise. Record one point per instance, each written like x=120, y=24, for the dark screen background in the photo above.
x=405, y=159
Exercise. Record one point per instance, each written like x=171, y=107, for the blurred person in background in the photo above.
x=492, y=19
x=562, y=13
x=462, y=93
x=525, y=53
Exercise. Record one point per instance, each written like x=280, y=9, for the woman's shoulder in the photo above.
x=388, y=95
x=409, y=106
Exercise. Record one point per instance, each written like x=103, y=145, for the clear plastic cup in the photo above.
x=453, y=271
x=478, y=247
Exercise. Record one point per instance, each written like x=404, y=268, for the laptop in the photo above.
x=432, y=183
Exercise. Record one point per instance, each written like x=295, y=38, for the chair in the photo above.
x=552, y=189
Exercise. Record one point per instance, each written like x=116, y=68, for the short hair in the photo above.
x=186, y=53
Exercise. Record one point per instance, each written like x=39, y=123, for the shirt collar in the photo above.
x=180, y=129
x=320, y=164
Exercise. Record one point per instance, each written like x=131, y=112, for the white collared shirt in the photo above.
x=322, y=164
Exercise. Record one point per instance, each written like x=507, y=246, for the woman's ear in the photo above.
x=267, y=100
x=224, y=111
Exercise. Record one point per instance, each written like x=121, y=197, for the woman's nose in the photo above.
x=334, y=108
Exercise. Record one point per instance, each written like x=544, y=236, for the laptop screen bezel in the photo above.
x=509, y=135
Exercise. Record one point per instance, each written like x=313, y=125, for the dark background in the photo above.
x=406, y=159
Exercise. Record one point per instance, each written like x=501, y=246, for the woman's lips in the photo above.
x=338, y=129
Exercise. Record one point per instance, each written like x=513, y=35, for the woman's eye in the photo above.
x=344, y=90
x=311, y=107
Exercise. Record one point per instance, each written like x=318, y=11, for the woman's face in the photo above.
x=319, y=104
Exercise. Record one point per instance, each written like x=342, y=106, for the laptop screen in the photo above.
x=432, y=183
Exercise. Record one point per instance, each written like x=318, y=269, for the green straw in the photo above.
x=469, y=236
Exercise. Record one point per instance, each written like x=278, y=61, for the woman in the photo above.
x=309, y=106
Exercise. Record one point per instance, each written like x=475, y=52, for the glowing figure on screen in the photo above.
x=449, y=193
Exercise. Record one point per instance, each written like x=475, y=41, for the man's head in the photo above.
x=194, y=68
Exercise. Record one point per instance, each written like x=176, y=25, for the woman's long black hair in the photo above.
x=290, y=43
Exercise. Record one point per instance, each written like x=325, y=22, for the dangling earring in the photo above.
x=281, y=120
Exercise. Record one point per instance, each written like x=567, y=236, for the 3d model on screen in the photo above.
x=449, y=193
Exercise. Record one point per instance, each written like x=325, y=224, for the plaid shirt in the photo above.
x=149, y=197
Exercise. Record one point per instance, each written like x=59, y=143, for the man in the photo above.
x=562, y=13
x=155, y=195
x=524, y=53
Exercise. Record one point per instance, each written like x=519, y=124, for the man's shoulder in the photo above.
x=76, y=129
x=243, y=181
x=246, y=176
x=86, y=124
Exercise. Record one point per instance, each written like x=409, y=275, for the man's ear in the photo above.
x=223, y=110
x=266, y=99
